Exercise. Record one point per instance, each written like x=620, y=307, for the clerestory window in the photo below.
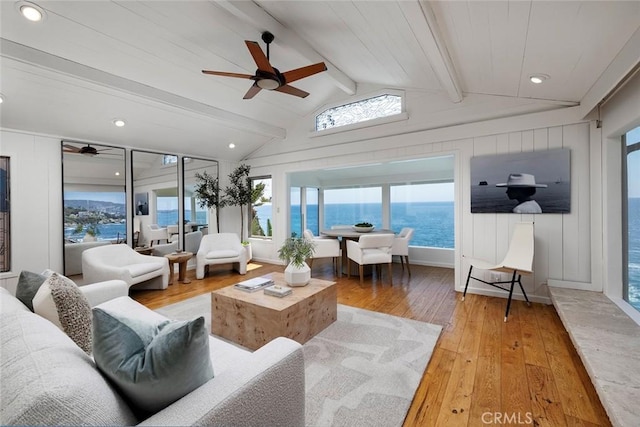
x=360, y=111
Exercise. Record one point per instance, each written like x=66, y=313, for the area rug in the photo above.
x=362, y=370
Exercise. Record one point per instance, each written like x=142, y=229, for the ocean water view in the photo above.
x=433, y=221
x=634, y=251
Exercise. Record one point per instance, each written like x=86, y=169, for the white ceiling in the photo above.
x=89, y=62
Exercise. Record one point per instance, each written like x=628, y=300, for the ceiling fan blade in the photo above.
x=71, y=148
x=253, y=91
x=290, y=90
x=301, y=73
x=258, y=55
x=222, y=73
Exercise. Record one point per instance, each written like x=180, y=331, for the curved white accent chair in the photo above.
x=401, y=246
x=112, y=262
x=155, y=232
x=191, y=244
x=325, y=248
x=220, y=248
x=172, y=230
x=517, y=261
x=370, y=249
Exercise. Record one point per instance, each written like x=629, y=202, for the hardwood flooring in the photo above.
x=483, y=371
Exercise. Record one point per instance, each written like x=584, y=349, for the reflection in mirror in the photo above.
x=155, y=199
x=94, y=199
x=200, y=180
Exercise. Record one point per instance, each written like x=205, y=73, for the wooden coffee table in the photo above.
x=252, y=319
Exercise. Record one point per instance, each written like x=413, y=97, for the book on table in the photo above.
x=278, y=291
x=252, y=285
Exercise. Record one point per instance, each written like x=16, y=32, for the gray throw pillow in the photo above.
x=28, y=285
x=152, y=364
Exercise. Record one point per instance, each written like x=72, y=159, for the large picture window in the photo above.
x=261, y=215
x=5, y=216
x=631, y=217
x=348, y=206
x=428, y=209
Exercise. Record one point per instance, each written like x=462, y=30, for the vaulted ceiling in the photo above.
x=89, y=62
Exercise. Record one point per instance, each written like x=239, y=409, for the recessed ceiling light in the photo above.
x=538, y=78
x=1, y=98
x=119, y=122
x=117, y=173
x=31, y=11
x=232, y=145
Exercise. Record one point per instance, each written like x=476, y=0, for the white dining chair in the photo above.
x=157, y=233
x=325, y=248
x=370, y=249
x=401, y=246
x=517, y=261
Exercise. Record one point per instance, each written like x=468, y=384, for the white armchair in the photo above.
x=155, y=232
x=220, y=248
x=401, y=246
x=370, y=249
x=191, y=244
x=325, y=248
x=121, y=262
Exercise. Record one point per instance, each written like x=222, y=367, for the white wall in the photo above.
x=36, y=204
x=563, y=241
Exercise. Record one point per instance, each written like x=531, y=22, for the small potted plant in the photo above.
x=295, y=251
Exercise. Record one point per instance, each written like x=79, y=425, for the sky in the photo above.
x=92, y=195
x=399, y=194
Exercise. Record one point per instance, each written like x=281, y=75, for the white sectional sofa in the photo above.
x=46, y=379
x=73, y=255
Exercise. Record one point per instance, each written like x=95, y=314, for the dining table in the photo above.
x=348, y=233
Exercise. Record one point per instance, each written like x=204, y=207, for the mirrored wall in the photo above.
x=155, y=199
x=94, y=199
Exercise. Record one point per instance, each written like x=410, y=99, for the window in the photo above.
x=167, y=207
x=311, y=218
x=428, y=209
x=5, y=216
x=359, y=111
x=168, y=159
x=261, y=207
x=631, y=217
x=348, y=206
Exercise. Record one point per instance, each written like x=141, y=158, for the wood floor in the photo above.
x=483, y=371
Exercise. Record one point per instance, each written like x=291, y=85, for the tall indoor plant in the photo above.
x=295, y=251
x=238, y=193
x=207, y=191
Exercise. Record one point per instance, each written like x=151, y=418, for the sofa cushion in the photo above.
x=143, y=268
x=9, y=303
x=61, y=302
x=48, y=380
x=28, y=285
x=153, y=363
x=222, y=253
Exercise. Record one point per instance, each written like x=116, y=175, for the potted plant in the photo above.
x=207, y=192
x=238, y=192
x=295, y=251
x=91, y=231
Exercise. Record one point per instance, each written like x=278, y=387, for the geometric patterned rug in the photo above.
x=362, y=370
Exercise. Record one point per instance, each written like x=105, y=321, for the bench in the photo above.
x=608, y=342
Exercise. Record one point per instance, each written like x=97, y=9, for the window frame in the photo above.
x=626, y=151
x=266, y=236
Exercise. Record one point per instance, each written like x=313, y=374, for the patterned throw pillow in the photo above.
x=152, y=363
x=61, y=302
x=28, y=285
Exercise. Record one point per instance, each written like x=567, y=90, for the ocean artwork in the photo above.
x=536, y=182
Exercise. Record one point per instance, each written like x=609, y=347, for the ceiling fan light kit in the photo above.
x=268, y=77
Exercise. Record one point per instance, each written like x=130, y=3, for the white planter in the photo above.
x=297, y=276
x=249, y=252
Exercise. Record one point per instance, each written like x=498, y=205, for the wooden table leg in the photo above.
x=182, y=271
x=171, y=272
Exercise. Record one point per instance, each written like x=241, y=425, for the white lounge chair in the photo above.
x=517, y=261
x=401, y=246
x=220, y=248
x=112, y=262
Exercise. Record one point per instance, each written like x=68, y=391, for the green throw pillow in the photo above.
x=153, y=364
x=28, y=285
